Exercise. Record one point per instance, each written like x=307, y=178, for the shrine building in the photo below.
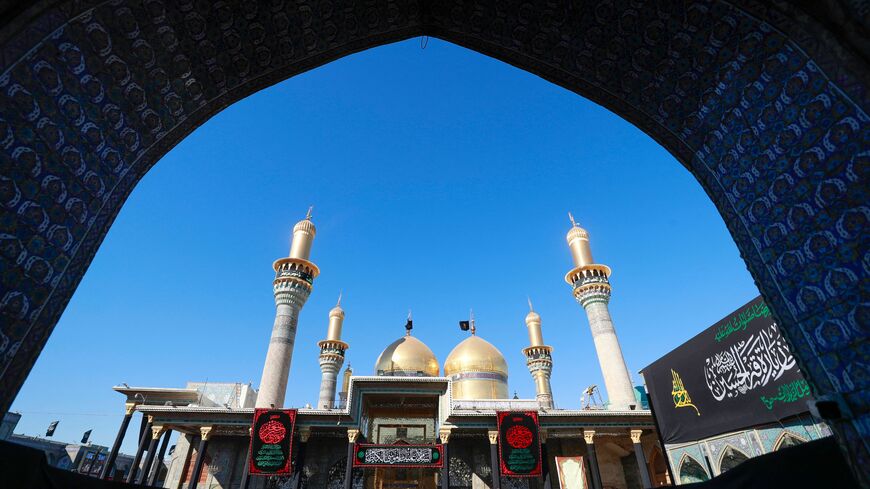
x=411, y=421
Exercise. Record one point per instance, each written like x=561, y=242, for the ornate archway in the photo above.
x=730, y=458
x=764, y=102
x=691, y=471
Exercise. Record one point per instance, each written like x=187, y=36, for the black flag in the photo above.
x=410, y=324
x=51, y=428
x=86, y=436
x=464, y=325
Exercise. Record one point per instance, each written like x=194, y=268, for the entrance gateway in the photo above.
x=765, y=103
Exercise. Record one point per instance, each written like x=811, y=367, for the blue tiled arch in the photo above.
x=763, y=102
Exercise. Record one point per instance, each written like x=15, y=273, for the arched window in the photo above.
x=692, y=471
x=731, y=457
x=786, y=440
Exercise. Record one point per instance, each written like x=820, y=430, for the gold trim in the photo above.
x=635, y=435
x=583, y=268
x=315, y=271
x=205, y=432
x=130, y=407
x=589, y=436
x=156, y=431
x=352, y=435
x=493, y=437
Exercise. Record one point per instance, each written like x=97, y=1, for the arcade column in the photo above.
x=444, y=434
x=589, y=436
x=156, y=431
x=205, y=435
x=304, y=435
x=129, y=409
x=493, y=459
x=146, y=435
x=545, y=460
x=155, y=471
x=641, y=459
x=352, y=435
x=246, y=475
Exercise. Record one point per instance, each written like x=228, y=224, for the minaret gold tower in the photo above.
x=539, y=359
x=331, y=357
x=592, y=290
x=294, y=278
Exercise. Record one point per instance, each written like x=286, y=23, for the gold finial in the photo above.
x=409, y=325
x=471, y=319
x=308, y=214
x=571, y=217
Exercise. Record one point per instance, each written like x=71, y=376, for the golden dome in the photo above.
x=408, y=356
x=478, y=370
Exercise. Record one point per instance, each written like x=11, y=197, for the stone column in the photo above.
x=444, y=434
x=129, y=408
x=156, y=431
x=352, y=435
x=641, y=459
x=589, y=436
x=158, y=462
x=205, y=435
x=493, y=459
x=143, y=441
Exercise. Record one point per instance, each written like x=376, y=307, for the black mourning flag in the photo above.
x=735, y=374
x=409, y=325
x=464, y=325
x=86, y=436
x=51, y=428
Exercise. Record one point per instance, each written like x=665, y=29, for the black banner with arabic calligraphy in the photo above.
x=736, y=374
x=398, y=455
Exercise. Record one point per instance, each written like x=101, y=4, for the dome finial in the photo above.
x=471, y=320
x=308, y=214
x=571, y=217
x=531, y=309
x=409, y=325
x=338, y=304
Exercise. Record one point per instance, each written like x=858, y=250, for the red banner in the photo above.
x=519, y=444
x=271, y=448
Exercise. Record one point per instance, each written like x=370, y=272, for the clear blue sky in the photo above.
x=441, y=181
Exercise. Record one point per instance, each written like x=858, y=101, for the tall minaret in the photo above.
x=539, y=359
x=294, y=277
x=331, y=357
x=592, y=291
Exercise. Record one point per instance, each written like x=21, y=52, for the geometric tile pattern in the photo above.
x=760, y=101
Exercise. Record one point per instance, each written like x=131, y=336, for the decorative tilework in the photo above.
x=764, y=104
